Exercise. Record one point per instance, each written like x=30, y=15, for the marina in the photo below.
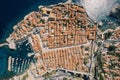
x=16, y=58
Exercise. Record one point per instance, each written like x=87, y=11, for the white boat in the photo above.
x=30, y=54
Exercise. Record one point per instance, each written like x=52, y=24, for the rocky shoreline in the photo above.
x=11, y=44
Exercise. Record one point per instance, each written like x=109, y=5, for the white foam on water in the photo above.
x=97, y=9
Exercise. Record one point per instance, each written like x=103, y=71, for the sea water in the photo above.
x=14, y=11
x=11, y=12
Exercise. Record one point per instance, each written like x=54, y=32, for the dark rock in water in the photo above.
x=12, y=50
x=115, y=13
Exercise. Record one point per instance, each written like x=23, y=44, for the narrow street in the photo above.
x=92, y=64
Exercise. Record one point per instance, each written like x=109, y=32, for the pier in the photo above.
x=9, y=63
x=4, y=44
x=11, y=45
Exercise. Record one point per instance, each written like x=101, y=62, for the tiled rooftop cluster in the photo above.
x=24, y=28
x=56, y=34
x=111, y=67
x=68, y=26
x=116, y=34
x=69, y=59
x=35, y=42
x=66, y=23
x=111, y=58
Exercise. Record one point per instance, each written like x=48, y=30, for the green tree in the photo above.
x=108, y=35
x=65, y=78
x=25, y=77
x=101, y=77
x=85, y=61
x=111, y=48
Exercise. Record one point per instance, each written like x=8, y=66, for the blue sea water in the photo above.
x=11, y=12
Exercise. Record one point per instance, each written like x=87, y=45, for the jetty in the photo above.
x=4, y=44
x=9, y=63
x=11, y=45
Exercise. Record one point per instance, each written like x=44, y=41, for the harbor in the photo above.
x=17, y=57
x=15, y=61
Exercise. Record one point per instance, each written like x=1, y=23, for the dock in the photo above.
x=10, y=43
x=9, y=63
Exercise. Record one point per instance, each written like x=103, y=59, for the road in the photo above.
x=111, y=41
x=92, y=66
x=76, y=72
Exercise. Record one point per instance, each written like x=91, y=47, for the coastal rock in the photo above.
x=115, y=13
